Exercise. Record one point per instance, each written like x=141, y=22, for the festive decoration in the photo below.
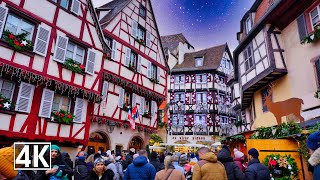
x=5, y=103
x=18, y=41
x=312, y=37
x=132, y=67
x=154, y=138
x=63, y=116
x=281, y=167
x=147, y=114
x=235, y=138
x=32, y=77
x=134, y=88
x=74, y=66
x=276, y=132
x=140, y=41
x=125, y=107
x=107, y=56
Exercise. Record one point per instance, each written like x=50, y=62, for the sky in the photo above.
x=205, y=23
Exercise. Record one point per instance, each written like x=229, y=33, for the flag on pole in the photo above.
x=134, y=115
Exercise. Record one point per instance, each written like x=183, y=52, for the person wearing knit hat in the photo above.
x=256, y=170
x=238, y=159
x=313, y=143
x=6, y=161
x=100, y=172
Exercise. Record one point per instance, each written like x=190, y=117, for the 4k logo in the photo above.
x=32, y=156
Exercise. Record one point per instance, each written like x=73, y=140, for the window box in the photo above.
x=125, y=107
x=18, y=41
x=107, y=56
x=140, y=41
x=132, y=67
x=154, y=80
x=147, y=114
x=6, y=104
x=313, y=36
x=62, y=116
x=73, y=66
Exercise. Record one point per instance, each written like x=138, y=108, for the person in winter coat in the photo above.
x=313, y=143
x=140, y=169
x=256, y=170
x=100, y=172
x=66, y=157
x=80, y=171
x=233, y=171
x=89, y=161
x=110, y=165
x=109, y=155
x=176, y=158
x=60, y=167
x=208, y=168
x=155, y=161
x=169, y=172
x=7, y=161
x=239, y=159
x=128, y=160
x=118, y=165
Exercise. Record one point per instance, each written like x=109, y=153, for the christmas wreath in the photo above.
x=63, y=116
x=281, y=167
x=19, y=41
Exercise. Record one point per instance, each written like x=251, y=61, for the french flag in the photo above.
x=133, y=116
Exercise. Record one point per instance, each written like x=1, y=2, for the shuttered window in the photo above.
x=302, y=28
x=114, y=50
x=153, y=71
x=317, y=64
x=142, y=105
x=248, y=57
x=75, y=7
x=105, y=86
x=90, y=64
x=134, y=28
x=315, y=16
x=7, y=88
x=79, y=110
x=121, y=98
x=148, y=39
x=42, y=41
x=25, y=97
x=139, y=64
x=75, y=52
x=61, y=103
x=149, y=75
x=3, y=16
x=127, y=57
x=17, y=25
x=60, y=49
x=153, y=108
x=46, y=103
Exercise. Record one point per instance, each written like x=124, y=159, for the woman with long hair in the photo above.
x=169, y=173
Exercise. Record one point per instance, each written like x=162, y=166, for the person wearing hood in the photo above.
x=208, y=168
x=155, y=161
x=100, y=171
x=239, y=159
x=118, y=165
x=256, y=170
x=313, y=144
x=81, y=170
x=233, y=171
x=109, y=155
x=169, y=173
x=66, y=157
x=140, y=169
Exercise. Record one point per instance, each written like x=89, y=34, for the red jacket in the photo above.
x=238, y=162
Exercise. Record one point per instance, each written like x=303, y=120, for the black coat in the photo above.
x=107, y=175
x=80, y=171
x=156, y=163
x=233, y=171
x=256, y=171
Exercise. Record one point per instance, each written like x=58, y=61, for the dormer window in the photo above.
x=314, y=16
x=199, y=61
x=248, y=25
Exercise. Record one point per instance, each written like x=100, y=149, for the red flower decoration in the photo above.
x=57, y=113
x=81, y=66
x=0, y=99
x=11, y=36
x=0, y=105
x=61, y=115
x=69, y=116
x=17, y=43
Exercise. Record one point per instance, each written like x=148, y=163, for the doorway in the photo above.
x=136, y=143
x=97, y=142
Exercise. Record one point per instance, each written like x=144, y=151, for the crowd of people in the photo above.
x=205, y=164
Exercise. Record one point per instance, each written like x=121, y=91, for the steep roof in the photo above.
x=115, y=7
x=171, y=42
x=212, y=58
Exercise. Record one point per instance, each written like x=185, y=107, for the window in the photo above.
x=133, y=59
x=178, y=120
x=142, y=11
x=153, y=72
x=201, y=78
x=264, y=93
x=7, y=88
x=75, y=52
x=200, y=120
x=61, y=103
x=141, y=34
x=17, y=25
x=179, y=97
x=314, y=16
x=64, y=4
x=108, y=41
x=248, y=57
x=201, y=97
x=199, y=61
x=127, y=99
x=224, y=120
x=179, y=79
x=248, y=25
x=317, y=70
x=147, y=107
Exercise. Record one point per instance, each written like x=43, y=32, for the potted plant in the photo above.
x=18, y=41
x=73, y=66
x=140, y=41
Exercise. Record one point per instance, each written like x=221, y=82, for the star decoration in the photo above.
x=6, y=105
x=24, y=42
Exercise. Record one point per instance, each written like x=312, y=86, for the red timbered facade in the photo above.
x=50, y=66
x=135, y=72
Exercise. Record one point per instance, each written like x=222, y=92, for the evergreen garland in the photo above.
x=18, y=42
x=63, y=116
x=73, y=66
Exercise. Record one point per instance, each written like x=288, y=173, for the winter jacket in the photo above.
x=233, y=171
x=119, y=169
x=156, y=163
x=90, y=166
x=107, y=175
x=128, y=160
x=80, y=171
x=112, y=167
x=256, y=171
x=178, y=167
x=41, y=175
x=140, y=169
x=208, y=168
x=66, y=157
x=315, y=163
x=238, y=162
x=175, y=175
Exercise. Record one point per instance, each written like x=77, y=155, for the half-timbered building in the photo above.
x=50, y=68
x=135, y=74
x=272, y=49
x=199, y=97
